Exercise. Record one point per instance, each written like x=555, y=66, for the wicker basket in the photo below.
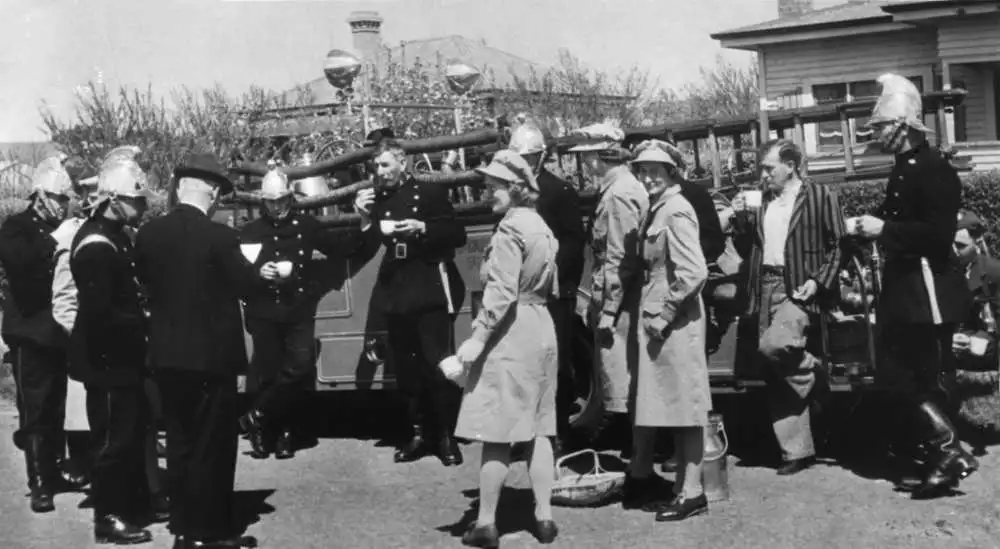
x=595, y=488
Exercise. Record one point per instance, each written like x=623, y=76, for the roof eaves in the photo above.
x=847, y=23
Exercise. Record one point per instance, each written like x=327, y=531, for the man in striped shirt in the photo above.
x=792, y=244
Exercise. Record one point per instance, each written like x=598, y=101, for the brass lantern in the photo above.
x=461, y=77
x=341, y=68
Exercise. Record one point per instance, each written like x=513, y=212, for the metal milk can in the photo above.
x=715, y=470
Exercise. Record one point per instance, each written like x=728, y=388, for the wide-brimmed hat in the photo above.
x=200, y=163
x=510, y=167
x=899, y=102
x=656, y=150
x=603, y=136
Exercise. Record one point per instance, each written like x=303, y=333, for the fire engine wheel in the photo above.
x=587, y=419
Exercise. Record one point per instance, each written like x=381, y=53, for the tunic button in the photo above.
x=295, y=222
x=414, y=208
x=302, y=252
x=274, y=238
x=386, y=214
x=299, y=236
x=300, y=290
x=895, y=195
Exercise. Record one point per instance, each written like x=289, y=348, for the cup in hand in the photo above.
x=453, y=369
x=388, y=226
x=284, y=268
x=753, y=198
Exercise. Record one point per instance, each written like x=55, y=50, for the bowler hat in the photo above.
x=202, y=164
x=375, y=136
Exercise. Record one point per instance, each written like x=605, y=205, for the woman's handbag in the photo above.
x=594, y=488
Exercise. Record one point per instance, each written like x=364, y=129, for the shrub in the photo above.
x=981, y=194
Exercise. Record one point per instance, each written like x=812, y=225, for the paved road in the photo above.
x=346, y=493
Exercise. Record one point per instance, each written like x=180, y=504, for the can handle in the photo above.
x=596, y=470
x=725, y=444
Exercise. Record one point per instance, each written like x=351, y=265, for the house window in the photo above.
x=829, y=137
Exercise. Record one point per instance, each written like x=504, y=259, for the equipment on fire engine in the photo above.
x=310, y=186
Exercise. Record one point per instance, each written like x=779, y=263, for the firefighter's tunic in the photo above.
x=924, y=294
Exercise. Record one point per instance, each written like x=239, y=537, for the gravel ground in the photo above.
x=347, y=493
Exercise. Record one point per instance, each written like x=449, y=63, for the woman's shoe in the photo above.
x=681, y=509
x=546, y=531
x=487, y=536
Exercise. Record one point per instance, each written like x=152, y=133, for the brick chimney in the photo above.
x=793, y=8
x=366, y=30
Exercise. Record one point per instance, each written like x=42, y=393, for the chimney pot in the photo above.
x=793, y=8
x=366, y=28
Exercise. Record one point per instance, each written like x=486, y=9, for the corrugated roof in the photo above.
x=497, y=66
x=839, y=15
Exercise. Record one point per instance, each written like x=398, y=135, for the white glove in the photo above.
x=469, y=351
x=453, y=369
x=65, y=233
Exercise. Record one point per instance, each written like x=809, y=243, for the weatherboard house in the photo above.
x=812, y=56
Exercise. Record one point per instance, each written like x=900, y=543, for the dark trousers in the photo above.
x=418, y=342
x=40, y=375
x=920, y=364
x=284, y=367
x=563, y=313
x=119, y=423
x=199, y=412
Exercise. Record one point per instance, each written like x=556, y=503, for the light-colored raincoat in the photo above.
x=510, y=394
x=616, y=278
x=672, y=388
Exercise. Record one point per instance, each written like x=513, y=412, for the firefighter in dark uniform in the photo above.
x=108, y=352
x=281, y=317
x=924, y=295
x=975, y=343
x=38, y=343
x=559, y=206
x=422, y=292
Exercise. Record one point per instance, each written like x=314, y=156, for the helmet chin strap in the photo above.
x=897, y=140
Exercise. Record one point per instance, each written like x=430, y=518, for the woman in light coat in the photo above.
x=671, y=378
x=511, y=356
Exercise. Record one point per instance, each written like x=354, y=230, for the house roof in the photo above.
x=913, y=5
x=841, y=15
x=497, y=66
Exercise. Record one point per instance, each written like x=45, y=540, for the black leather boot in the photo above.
x=40, y=475
x=448, y=451
x=159, y=508
x=252, y=423
x=73, y=470
x=115, y=530
x=948, y=462
x=284, y=448
x=413, y=450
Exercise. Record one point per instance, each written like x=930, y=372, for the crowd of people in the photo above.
x=149, y=319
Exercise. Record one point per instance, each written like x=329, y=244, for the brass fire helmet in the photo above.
x=899, y=103
x=275, y=194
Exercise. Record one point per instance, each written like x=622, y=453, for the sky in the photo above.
x=50, y=48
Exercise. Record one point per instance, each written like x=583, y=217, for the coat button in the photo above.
x=299, y=236
x=302, y=252
x=274, y=238
x=414, y=208
x=386, y=214
x=295, y=222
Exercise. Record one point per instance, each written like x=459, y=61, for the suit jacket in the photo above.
x=108, y=343
x=920, y=211
x=812, y=248
x=294, y=239
x=559, y=206
x=713, y=241
x=26, y=253
x=195, y=276
x=410, y=278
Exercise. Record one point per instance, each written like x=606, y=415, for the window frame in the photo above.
x=854, y=124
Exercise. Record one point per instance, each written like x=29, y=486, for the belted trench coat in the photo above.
x=671, y=379
x=510, y=393
x=616, y=279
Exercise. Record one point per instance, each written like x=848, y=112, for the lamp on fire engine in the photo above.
x=341, y=68
x=461, y=79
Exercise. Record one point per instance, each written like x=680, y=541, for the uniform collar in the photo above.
x=914, y=152
x=37, y=218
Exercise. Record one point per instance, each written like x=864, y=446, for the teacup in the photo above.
x=284, y=268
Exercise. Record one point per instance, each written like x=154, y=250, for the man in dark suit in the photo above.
x=924, y=294
x=559, y=206
x=281, y=316
x=422, y=291
x=108, y=351
x=195, y=276
x=37, y=342
x=792, y=246
x=975, y=342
